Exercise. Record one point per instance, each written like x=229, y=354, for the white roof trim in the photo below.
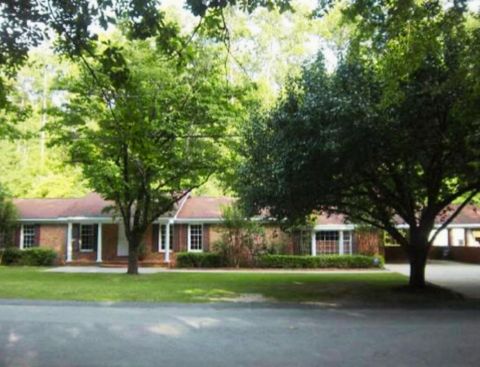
x=334, y=227
x=198, y=220
x=69, y=219
x=454, y=225
x=180, y=207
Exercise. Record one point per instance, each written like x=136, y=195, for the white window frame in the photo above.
x=348, y=242
x=161, y=245
x=23, y=245
x=190, y=238
x=80, y=244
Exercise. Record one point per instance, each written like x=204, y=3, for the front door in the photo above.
x=122, y=245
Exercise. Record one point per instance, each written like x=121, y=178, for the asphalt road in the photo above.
x=70, y=334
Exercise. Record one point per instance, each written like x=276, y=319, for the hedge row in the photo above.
x=32, y=256
x=213, y=260
x=198, y=260
x=323, y=261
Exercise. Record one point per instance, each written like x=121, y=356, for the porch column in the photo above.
x=341, y=247
x=69, y=242
x=99, y=243
x=449, y=237
x=314, y=244
x=167, y=242
x=21, y=237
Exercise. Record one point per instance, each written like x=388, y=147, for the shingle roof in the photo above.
x=91, y=205
x=329, y=219
x=193, y=207
x=208, y=207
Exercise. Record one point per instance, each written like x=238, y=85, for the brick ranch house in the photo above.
x=80, y=231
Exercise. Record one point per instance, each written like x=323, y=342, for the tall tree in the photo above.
x=387, y=137
x=72, y=24
x=146, y=128
x=28, y=167
x=8, y=219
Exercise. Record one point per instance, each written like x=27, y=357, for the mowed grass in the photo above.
x=372, y=288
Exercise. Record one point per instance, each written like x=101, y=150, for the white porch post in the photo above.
x=167, y=242
x=99, y=243
x=21, y=237
x=314, y=244
x=341, y=246
x=69, y=242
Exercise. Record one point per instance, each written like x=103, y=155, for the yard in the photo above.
x=381, y=288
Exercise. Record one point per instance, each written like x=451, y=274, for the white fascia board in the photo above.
x=68, y=219
x=465, y=225
x=469, y=225
x=198, y=220
x=334, y=227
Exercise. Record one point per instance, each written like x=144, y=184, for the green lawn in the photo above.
x=381, y=288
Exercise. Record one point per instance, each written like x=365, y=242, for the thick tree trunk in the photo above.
x=133, y=257
x=418, y=255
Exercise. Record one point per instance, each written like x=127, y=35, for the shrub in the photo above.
x=198, y=260
x=31, y=257
x=11, y=256
x=242, y=238
x=326, y=261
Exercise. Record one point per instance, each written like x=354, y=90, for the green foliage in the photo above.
x=389, y=135
x=11, y=256
x=25, y=25
x=198, y=260
x=242, y=237
x=28, y=166
x=146, y=129
x=8, y=217
x=29, y=257
x=200, y=7
x=324, y=261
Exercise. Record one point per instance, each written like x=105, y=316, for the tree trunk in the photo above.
x=418, y=259
x=133, y=257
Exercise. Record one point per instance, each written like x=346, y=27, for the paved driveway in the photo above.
x=74, y=334
x=460, y=277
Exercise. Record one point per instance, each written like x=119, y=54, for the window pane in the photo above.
x=347, y=242
x=87, y=237
x=163, y=232
x=327, y=242
x=196, y=235
x=28, y=235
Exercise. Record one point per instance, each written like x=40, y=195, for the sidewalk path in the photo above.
x=153, y=270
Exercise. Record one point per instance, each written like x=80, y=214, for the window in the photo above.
x=195, y=239
x=327, y=242
x=28, y=235
x=163, y=232
x=87, y=237
x=347, y=243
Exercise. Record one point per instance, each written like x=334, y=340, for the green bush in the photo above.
x=324, y=261
x=31, y=257
x=11, y=256
x=198, y=260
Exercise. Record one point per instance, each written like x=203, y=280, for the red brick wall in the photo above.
x=368, y=242
x=54, y=236
x=206, y=237
x=182, y=233
x=109, y=241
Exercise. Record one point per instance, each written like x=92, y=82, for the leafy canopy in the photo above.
x=144, y=128
x=387, y=135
